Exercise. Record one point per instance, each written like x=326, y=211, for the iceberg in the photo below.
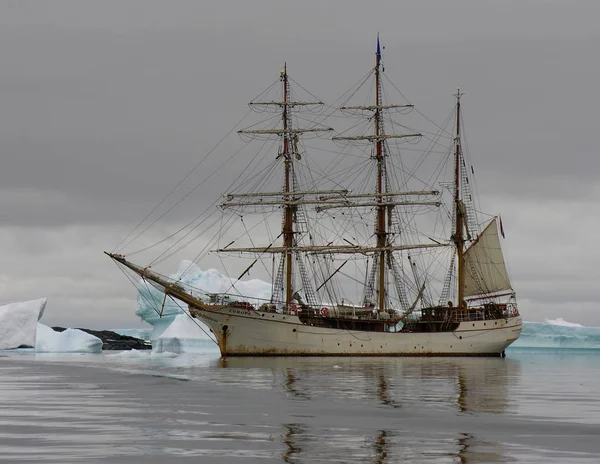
x=68, y=341
x=559, y=321
x=137, y=354
x=19, y=323
x=557, y=334
x=182, y=336
x=173, y=330
x=150, y=300
x=19, y=327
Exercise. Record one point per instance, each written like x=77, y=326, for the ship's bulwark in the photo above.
x=242, y=332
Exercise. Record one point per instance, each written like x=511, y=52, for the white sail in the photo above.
x=485, y=270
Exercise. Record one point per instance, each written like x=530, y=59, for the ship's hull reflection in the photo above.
x=402, y=390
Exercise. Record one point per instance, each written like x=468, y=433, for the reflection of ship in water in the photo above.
x=470, y=385
x=290, y=385
x=293, y=449
x=415, y=391
x=472, y=450
x=381, y=447
x=480, y=386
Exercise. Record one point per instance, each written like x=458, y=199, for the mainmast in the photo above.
x=379, y=156
x=459, y=208
x=382, y=197
x=289, y=209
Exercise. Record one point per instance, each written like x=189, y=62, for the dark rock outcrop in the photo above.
x=114, y=341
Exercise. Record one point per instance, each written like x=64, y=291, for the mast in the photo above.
x=379, y=156
x=459, y=208
x=381, y=196
x=289, y=209
x=287, y=198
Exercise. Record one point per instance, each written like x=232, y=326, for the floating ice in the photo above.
x=68, y=341
x=182, y=336
x=172, y=328
x=141, y=354
x=150, y=300
x=561, y=335
x=18, y=323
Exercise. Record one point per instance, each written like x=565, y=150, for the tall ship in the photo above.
x=380, y=250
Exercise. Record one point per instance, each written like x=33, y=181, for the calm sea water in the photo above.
x=533, y=406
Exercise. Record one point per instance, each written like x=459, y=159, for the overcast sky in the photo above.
x=105, y=105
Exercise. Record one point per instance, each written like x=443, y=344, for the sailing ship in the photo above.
x=444, y=291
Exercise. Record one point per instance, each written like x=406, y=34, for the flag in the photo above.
x=501, y=229
x=378, y=49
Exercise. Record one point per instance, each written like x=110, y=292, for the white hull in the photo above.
x=242, y=332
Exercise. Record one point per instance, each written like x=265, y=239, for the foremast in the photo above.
x=381, y=231
x=289, y=149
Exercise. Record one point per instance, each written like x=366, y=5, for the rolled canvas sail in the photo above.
x=485, y=271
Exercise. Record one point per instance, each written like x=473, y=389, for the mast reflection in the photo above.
x=417, y=390
x=381, y=447
x=293, y=433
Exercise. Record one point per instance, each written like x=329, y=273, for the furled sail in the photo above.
x=485, y=270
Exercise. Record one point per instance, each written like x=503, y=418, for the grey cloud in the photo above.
x=104, y=106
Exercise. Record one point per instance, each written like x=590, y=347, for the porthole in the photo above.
x=294, y=330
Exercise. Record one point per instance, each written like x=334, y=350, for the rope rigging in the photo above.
x=421, y=166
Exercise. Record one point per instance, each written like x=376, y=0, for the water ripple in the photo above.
x=107, y=410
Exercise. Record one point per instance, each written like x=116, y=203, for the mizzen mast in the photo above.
x=459, y=208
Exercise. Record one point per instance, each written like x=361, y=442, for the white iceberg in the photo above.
x=19, y=322
x=150, y=300
x=182, y=336
x=173, y=330
x=68, y=341
x=561, y=322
